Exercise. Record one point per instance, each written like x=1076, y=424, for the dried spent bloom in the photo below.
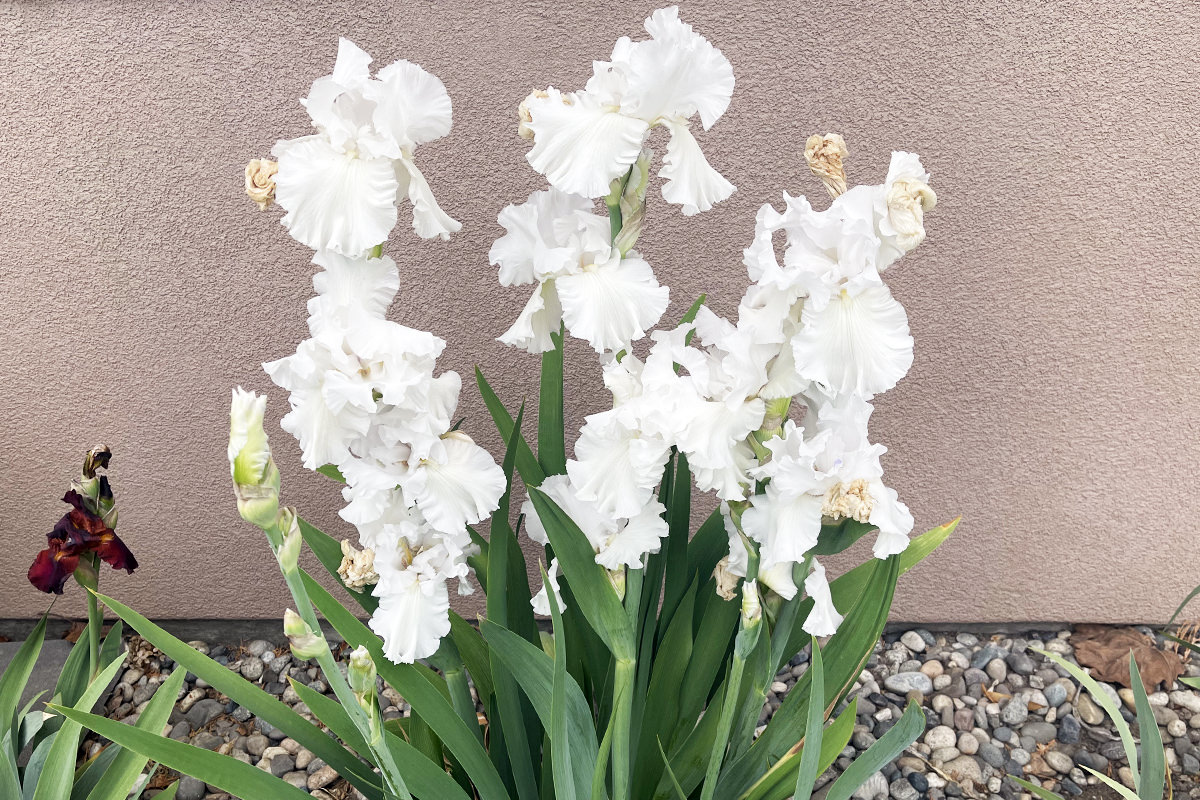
x=825, y=155
x=523, y=129
x=357, y=569
x=726, y=581
x=260, y=181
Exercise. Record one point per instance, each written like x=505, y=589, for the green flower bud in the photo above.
x=633, y=203
x=289, y=551
x=617, y=578
x=255, y=477
x=304, y=642
x=361, y=676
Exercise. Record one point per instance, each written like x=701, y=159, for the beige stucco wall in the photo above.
x=1051, y=402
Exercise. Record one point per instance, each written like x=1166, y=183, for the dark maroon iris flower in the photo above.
x=81, y=531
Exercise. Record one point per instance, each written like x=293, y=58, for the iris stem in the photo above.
x=626, y=671
x=395, y=785
x=95, y=623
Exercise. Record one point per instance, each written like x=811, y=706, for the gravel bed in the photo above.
x=993, y=708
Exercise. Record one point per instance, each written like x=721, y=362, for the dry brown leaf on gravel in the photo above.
x=1105, y=650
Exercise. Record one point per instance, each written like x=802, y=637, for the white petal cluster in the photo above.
x=585, y=139
x=583, y=281
x=340, y=186
x=364, y=398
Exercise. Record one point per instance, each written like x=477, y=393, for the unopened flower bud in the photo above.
x=260, y=181
x=255, y=477
x=361, y=674
x=825, y=156
x=751, y=605
x=633, y=203
x=616, y=577
x=289, y=549
x=305, y=643
x=357, y=569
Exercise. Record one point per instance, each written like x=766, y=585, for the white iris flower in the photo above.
x=604, y=298
x=340, y=185
x=583, y=140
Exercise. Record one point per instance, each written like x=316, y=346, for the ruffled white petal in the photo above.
x=613, y=303
x=538, y=241
x=412, y=106
x=787, y=526
x=460, y=487
x=858, y=343
x=676, y=73
x=412, y=617
x=541, y=601
x=635, y=539
x=429, y=220
x=616, y=468
x=893, y=519
x=581, y=145
x=691, y=181
x=540, y=317
x=334, y=201
x=351, y=288
x=824, y=618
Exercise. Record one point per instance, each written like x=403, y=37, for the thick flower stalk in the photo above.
x=364, y=396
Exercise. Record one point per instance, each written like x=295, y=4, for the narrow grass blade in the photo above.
x=225, y=772
x=1154, y=768
x=58, y=772
x=1037, y=791
x=670, y=774
x=1105, y=702
x=890, y=745
x=16, y=676
x=552, y=449
x=1116, y=786
x=570, y=782
x=128, y=765
x=423, y=778
x=262, y=704
x=806, y=776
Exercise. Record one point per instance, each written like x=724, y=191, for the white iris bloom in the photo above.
x=604, y=298
x=583, y=140
x=340, y=185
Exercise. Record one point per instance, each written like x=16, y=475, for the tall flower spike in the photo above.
x=585, y=139
x=340, y=186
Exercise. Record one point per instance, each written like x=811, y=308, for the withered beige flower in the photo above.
x=260, y=181
x=726, y=581
x=357, y=569
x=825, y=156
x=907, y=200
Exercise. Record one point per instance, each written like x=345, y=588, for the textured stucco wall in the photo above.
x=1051, y=402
